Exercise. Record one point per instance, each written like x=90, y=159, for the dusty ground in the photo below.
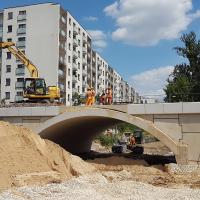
x=27, y=160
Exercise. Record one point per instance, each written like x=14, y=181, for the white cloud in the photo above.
x=151, y=82
x=90, y=18
x=98, y=39
x=146, y=22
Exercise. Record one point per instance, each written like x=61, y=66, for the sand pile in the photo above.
x=26, y=159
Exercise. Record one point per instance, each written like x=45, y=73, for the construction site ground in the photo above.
x=33, y=168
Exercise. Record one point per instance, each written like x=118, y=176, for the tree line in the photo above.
x=183, y=84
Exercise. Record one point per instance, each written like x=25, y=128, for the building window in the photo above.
x=74, y=24
x=70, y=46
x=22, y=25
x=10, y=15
x=9, y=28
x=79, y=42
x=20, y=79
x=78, y=65
x=22, y=12
x=68, y=97
x=79, y=31
x=70, y=21
x=8, y=55
x=69, y=59
x=8, y=68
x=70, y=34
x=78, y=88
x=8, y=82
x=19, y=93
x=9, y=40
x=21, y=39
x=79, y=54
x=20, y=66
x=68, y=83
x=79, y=77
x=7, y=95
x=69, y=72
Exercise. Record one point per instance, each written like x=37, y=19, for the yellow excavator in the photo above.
x=35, y=89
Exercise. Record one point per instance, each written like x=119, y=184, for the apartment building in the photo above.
x=60, y=48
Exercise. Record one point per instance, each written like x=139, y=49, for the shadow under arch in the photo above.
x=74, y=130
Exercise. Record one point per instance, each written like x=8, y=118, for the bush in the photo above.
x=106, y=140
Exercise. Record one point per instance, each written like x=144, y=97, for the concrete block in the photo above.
x=193, y=141
x=38, y=111
x=173, y=107
x=52, y=110
x=170, y=127
x=191, y=107
x=165, y=116
x=3, y=112
x=190, y=123
x=136, y=109
x=12, y=111
x=154, y=108
x=25, y=111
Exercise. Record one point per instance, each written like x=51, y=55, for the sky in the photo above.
x=136, y=37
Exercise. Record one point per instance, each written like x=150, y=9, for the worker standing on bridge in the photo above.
x=93, y=95
x=109, y=96
x=89, y=97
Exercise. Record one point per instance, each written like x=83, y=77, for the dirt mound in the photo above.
x=26, y=159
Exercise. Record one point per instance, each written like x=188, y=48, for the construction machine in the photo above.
x=35, y=89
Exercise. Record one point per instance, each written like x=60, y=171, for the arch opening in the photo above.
x=75, y=130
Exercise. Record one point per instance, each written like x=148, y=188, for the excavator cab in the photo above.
x=34, y=86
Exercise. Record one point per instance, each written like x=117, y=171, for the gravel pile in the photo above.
x=182, y=169
x=96, y=186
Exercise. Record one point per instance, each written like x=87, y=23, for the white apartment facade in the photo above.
x=60, y=48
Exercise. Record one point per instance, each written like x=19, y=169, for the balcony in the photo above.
x=21, y=44
x=21, y=31
x=75, y=30
x=74, y=90
x=99, y=72
x=84, y=50
x=75, y=54
x=18, y=98
x=74, y=79
x=84, y=62
x=84, y=83
x=84, y=39
x=75, y=42
x=61, y=74
x=99, y=63
x=84, y=72
x=19, y=84
x=74, y=67
x=21, y=17
x=20, y=71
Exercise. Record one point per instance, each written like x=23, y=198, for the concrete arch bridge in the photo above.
x=177, y=125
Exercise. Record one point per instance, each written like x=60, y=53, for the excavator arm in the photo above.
x=22, y=57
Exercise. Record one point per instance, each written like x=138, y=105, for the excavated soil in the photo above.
x=26, y=159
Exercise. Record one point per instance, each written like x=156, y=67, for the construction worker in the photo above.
x=109, y=96
x=93, y=95
x=88, y=97
x=103, y=98
x=132, y=140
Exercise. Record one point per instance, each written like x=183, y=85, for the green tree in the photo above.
x=184, y=82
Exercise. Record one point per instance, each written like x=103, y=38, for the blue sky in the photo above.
x=136, y=37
